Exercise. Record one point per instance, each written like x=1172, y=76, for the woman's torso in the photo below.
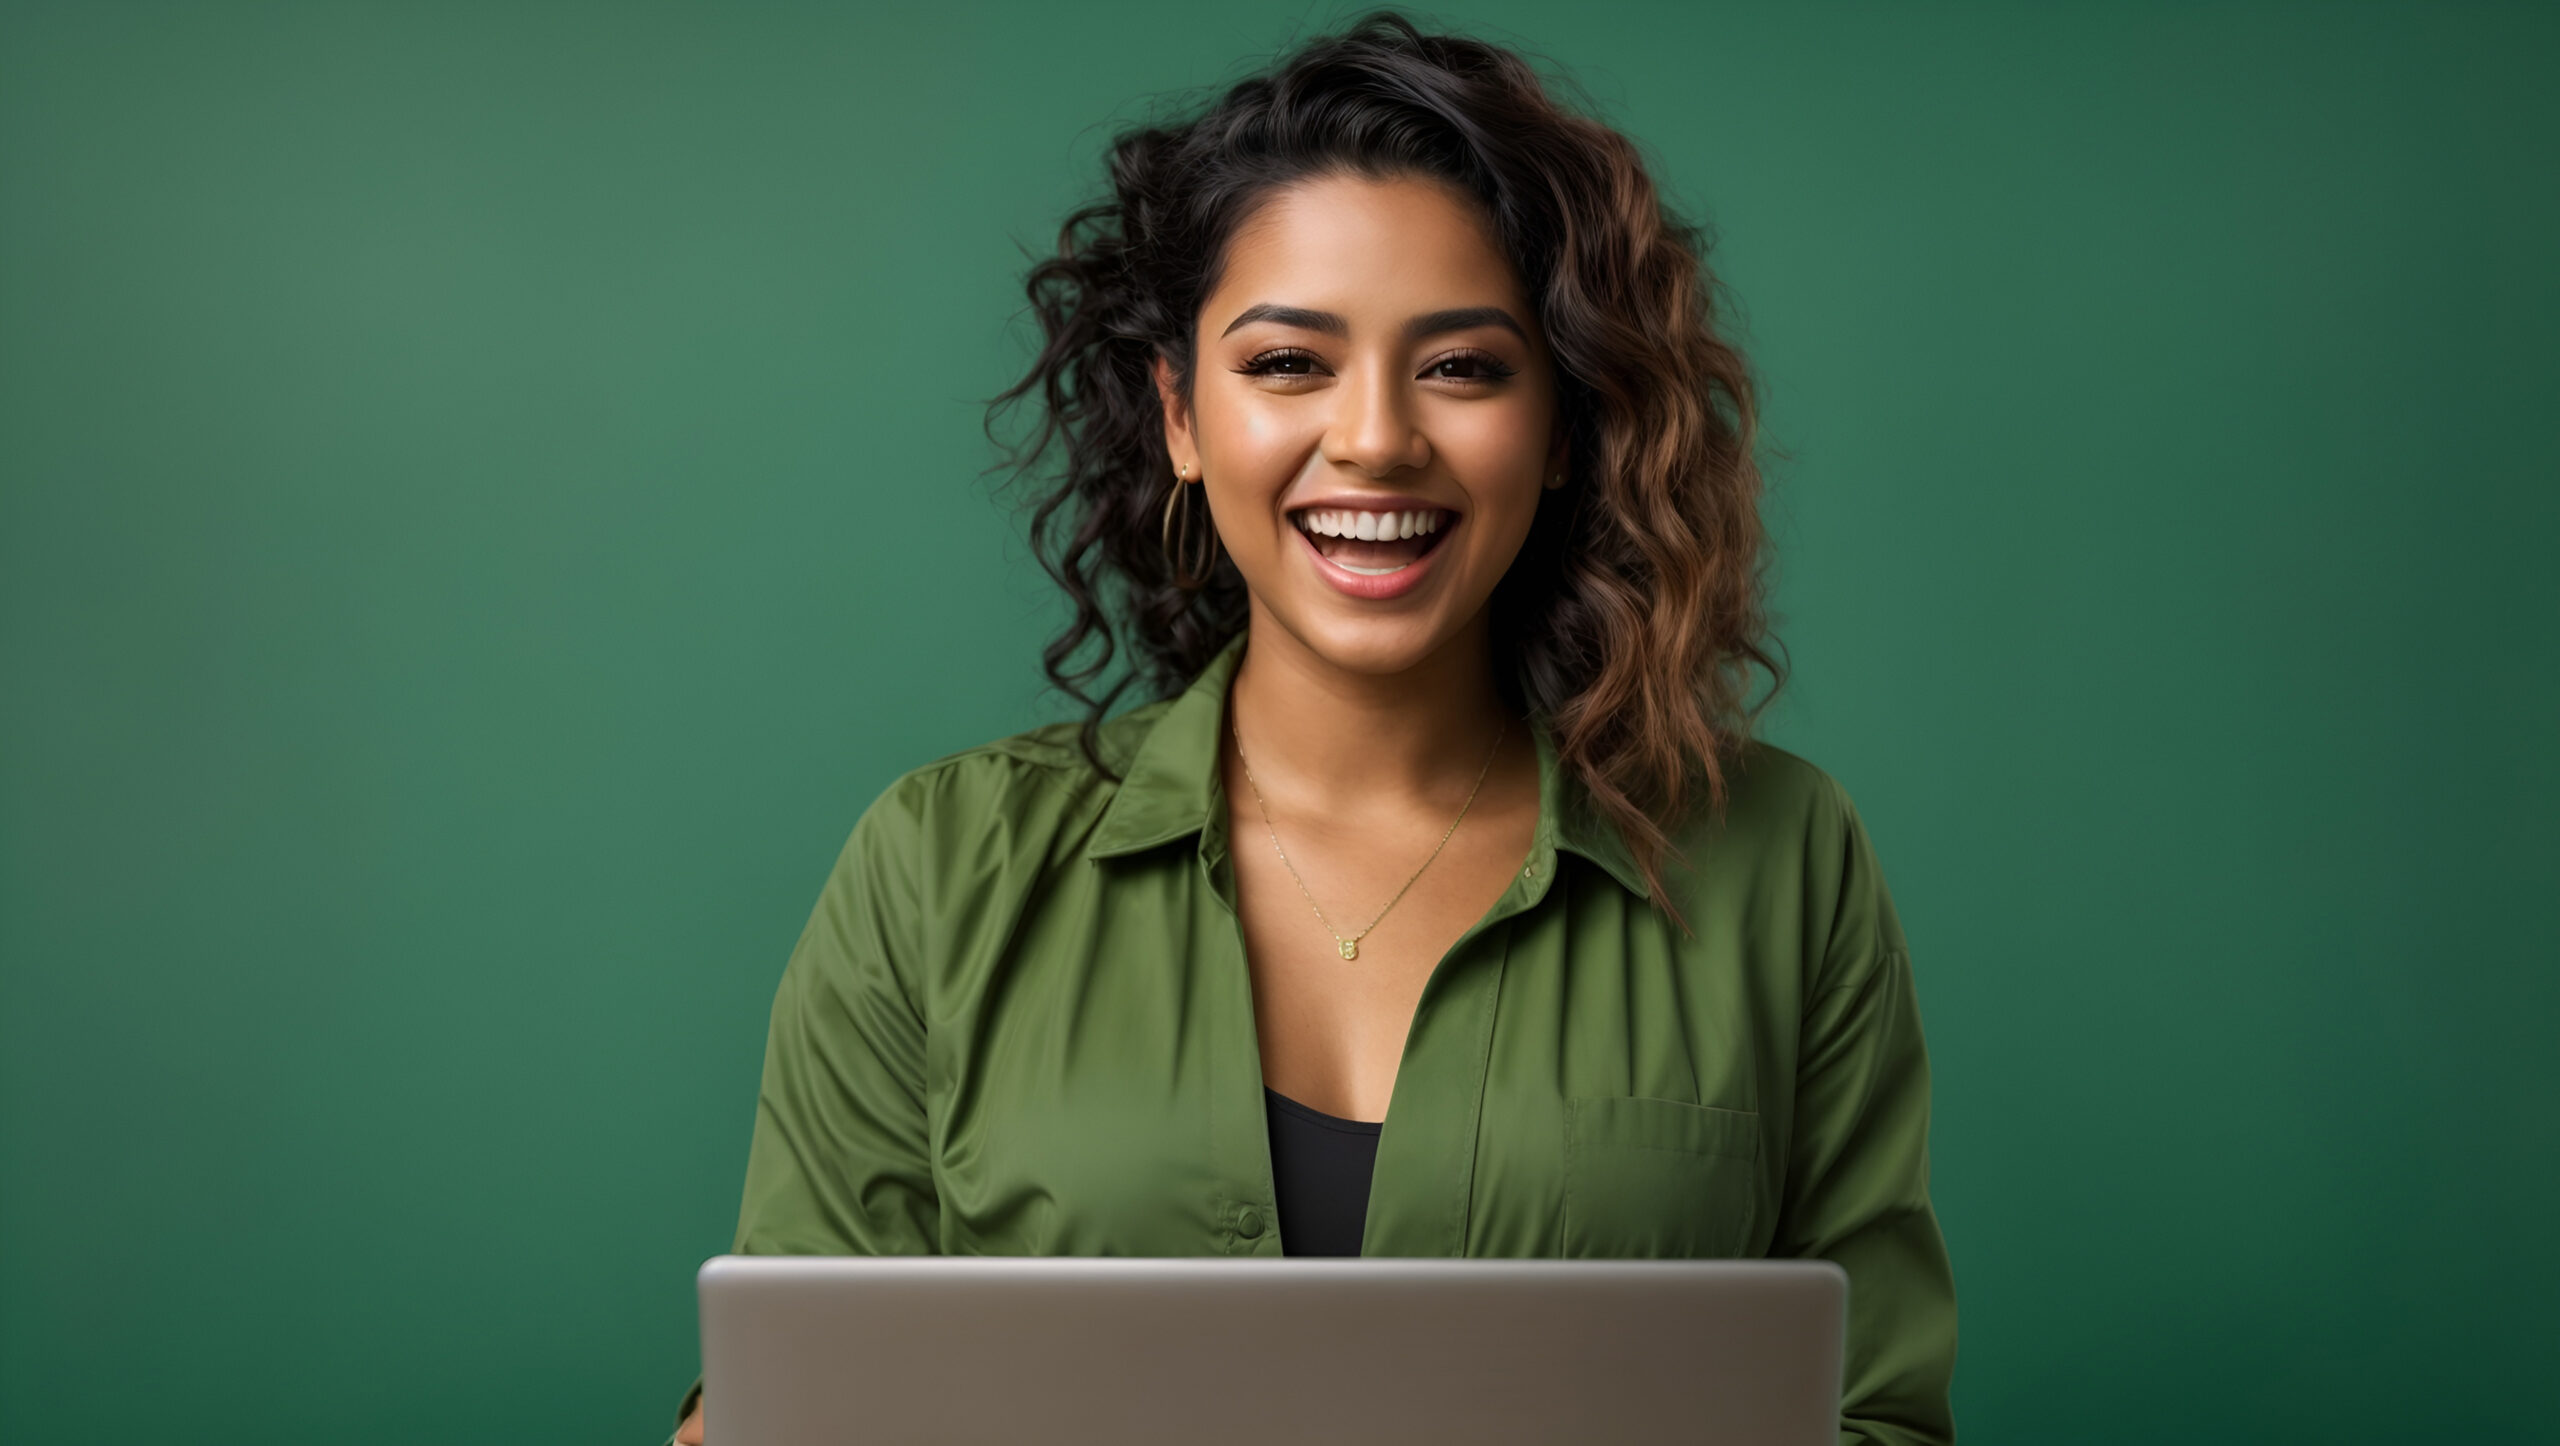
x=1576, y=1078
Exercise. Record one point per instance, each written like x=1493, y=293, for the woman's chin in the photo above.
x=1368, y=642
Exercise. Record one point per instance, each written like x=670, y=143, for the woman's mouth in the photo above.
x=1374, y=554
x=1374, y=544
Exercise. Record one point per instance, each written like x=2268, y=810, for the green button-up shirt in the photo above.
x=1019, y=1023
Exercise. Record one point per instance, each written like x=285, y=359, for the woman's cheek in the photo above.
x=1266, y=430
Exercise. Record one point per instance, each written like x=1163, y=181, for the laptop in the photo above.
x=854, y=1350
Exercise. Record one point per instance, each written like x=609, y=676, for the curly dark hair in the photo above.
x=1636, y=608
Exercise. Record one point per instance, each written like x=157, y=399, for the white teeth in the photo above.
x=1371, y=526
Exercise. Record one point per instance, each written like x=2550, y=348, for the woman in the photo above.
x=1403, y=457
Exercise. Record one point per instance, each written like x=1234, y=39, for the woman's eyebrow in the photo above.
x=1430, y=323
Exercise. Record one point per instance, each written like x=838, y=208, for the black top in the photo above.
x=1320, y=1167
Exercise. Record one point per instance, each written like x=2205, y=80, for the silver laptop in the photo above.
x=848, y=1351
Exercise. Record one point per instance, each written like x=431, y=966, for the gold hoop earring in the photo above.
x=1185, y=577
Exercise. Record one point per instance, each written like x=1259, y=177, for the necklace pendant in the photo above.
x=1350, y=948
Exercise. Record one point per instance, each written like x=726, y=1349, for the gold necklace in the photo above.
x=1350, y=948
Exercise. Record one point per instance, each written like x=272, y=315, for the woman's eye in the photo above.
x=1287, y=362
x=1465, y=366
x=1473, y=366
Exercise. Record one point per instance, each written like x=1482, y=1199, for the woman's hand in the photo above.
x=690, y=1433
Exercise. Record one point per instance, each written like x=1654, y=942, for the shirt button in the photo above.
x=1531, y=871
x=1249, y=1224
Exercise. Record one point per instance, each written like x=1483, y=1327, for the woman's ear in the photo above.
x=1177, y=418
x=1559, y=465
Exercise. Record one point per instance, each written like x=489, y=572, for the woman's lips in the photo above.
x=1375, y=586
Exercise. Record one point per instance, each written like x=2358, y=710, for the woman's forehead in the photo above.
x=1350, y=245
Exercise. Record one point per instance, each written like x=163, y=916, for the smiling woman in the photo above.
x=1296, y=399
x=1407, y=237
x=1400, y=459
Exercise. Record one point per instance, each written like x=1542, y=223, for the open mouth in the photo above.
x=1374, y=544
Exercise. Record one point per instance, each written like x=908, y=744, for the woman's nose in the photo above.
x=1374, y=426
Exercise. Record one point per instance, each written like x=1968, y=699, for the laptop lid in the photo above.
x=802, y=1350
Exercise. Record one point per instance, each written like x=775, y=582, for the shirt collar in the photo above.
x=1171, y=786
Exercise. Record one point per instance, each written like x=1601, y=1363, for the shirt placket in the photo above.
x=1423, y=1186
x=1246, y=1208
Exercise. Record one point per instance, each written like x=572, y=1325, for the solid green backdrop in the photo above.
x=492, y=491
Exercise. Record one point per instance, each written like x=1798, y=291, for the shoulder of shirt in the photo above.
x=1048, y=756
x=1792, y=814
x=1772, y=793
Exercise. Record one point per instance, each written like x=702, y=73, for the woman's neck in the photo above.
x=1338, y=741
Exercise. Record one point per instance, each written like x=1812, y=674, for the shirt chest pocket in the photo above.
x=1658, y=1179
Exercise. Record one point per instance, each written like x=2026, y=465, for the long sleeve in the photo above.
x=1857, y=1189
x=838, y=1164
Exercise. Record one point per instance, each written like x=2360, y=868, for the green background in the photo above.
x=492, y=491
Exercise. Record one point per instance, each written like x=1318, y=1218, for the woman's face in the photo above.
x=1372, y=415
